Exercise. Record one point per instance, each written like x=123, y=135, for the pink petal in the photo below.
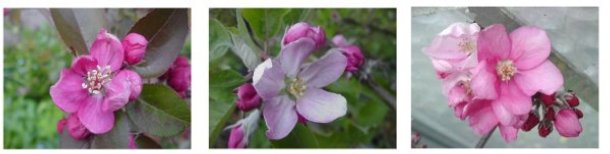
x=460, y=29
x=268, y=79
x=93, y=117
x=135, y=83
x=493, y=43
x=292, y=55
x=280, y=116
x=83, y=64
x=483, y=120
x=456, y=95
x=509, y=133
x=458, y=110
x=545, y=78
x=484, y=82
x=117, y=92
x=68, y=93
x=446, y=48
x=502, y=114
x=325, y=70
x=339, y=41
x=320, y=106
x=530, y=47
x=513, y=99
x=107, y=50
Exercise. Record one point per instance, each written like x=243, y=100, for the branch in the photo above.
x=388, y=98
x=484, y=139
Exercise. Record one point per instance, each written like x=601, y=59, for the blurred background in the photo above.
x=370, y=121
x=574, y=38
x=34, y=54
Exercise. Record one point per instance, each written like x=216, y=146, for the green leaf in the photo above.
x=220, y=39
x=145, y=142
x=245, y=52
x=117, y=138
x=266, y=23
x=300, y=137
x=159, y=111
x=222, y=99
x=78, y=27
x=166, y=31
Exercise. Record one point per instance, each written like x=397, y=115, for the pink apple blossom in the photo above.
x=567, y=124
x=95, y=85
x=135, y=47
x=304, y=30
x=289, y=87
x=512, y=69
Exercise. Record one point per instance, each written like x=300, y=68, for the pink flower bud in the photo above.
x=531, y=122
x=61, y=124
x=135, y=82
x=545, y=128
x=567, y=124
x=179, y=75
x=237, y=138
x=548, y=100
x=134, y=45
x=354, y=58
x=578, y=113
x=132, y=142
x=304, y=30
x=572, y=99
x=76, y=129
x=247, y=98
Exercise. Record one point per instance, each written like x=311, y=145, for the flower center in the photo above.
x=95, y=80
x=297, y=87
x=466, y=85
x=506, y=69
x=466, y=45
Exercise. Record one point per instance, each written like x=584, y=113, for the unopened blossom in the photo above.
x=61, y=124
x=131, y=143
x=242, y=129
x=95, y=85
x=135, y=47
x=567, y=123
x=75, y=128
x=247, y=98
x=289, y=88
x=304, y=30
x=355, y=58
x=179, y=75
x=512, y=69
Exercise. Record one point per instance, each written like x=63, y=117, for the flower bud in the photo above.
x=578, y=113
x=134, y=45
x=135, y=82
x=304, y=30
x=247, y=98
x=242, y=129
x=354, y=56
x=237, y=138
x=545, y=128
x=132, y=142
x=179, y=75
x=547, y=100
x=567, y=124
x=61, y=124
x=571, y=99
x=76, y=129
x=532, y=120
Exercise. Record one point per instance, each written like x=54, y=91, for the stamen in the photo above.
x=297, y=87
x=96, y=79
x=506, y=70
x=466, y=45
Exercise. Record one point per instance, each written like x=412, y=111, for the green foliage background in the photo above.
x=369, y=123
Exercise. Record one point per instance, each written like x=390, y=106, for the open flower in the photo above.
x=95, y=85
x=512, y=69
x=289, y=88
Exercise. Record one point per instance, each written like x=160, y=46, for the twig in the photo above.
x=484, y=139
x=388, y=98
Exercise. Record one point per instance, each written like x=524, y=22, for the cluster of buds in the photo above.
x=565, y=120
